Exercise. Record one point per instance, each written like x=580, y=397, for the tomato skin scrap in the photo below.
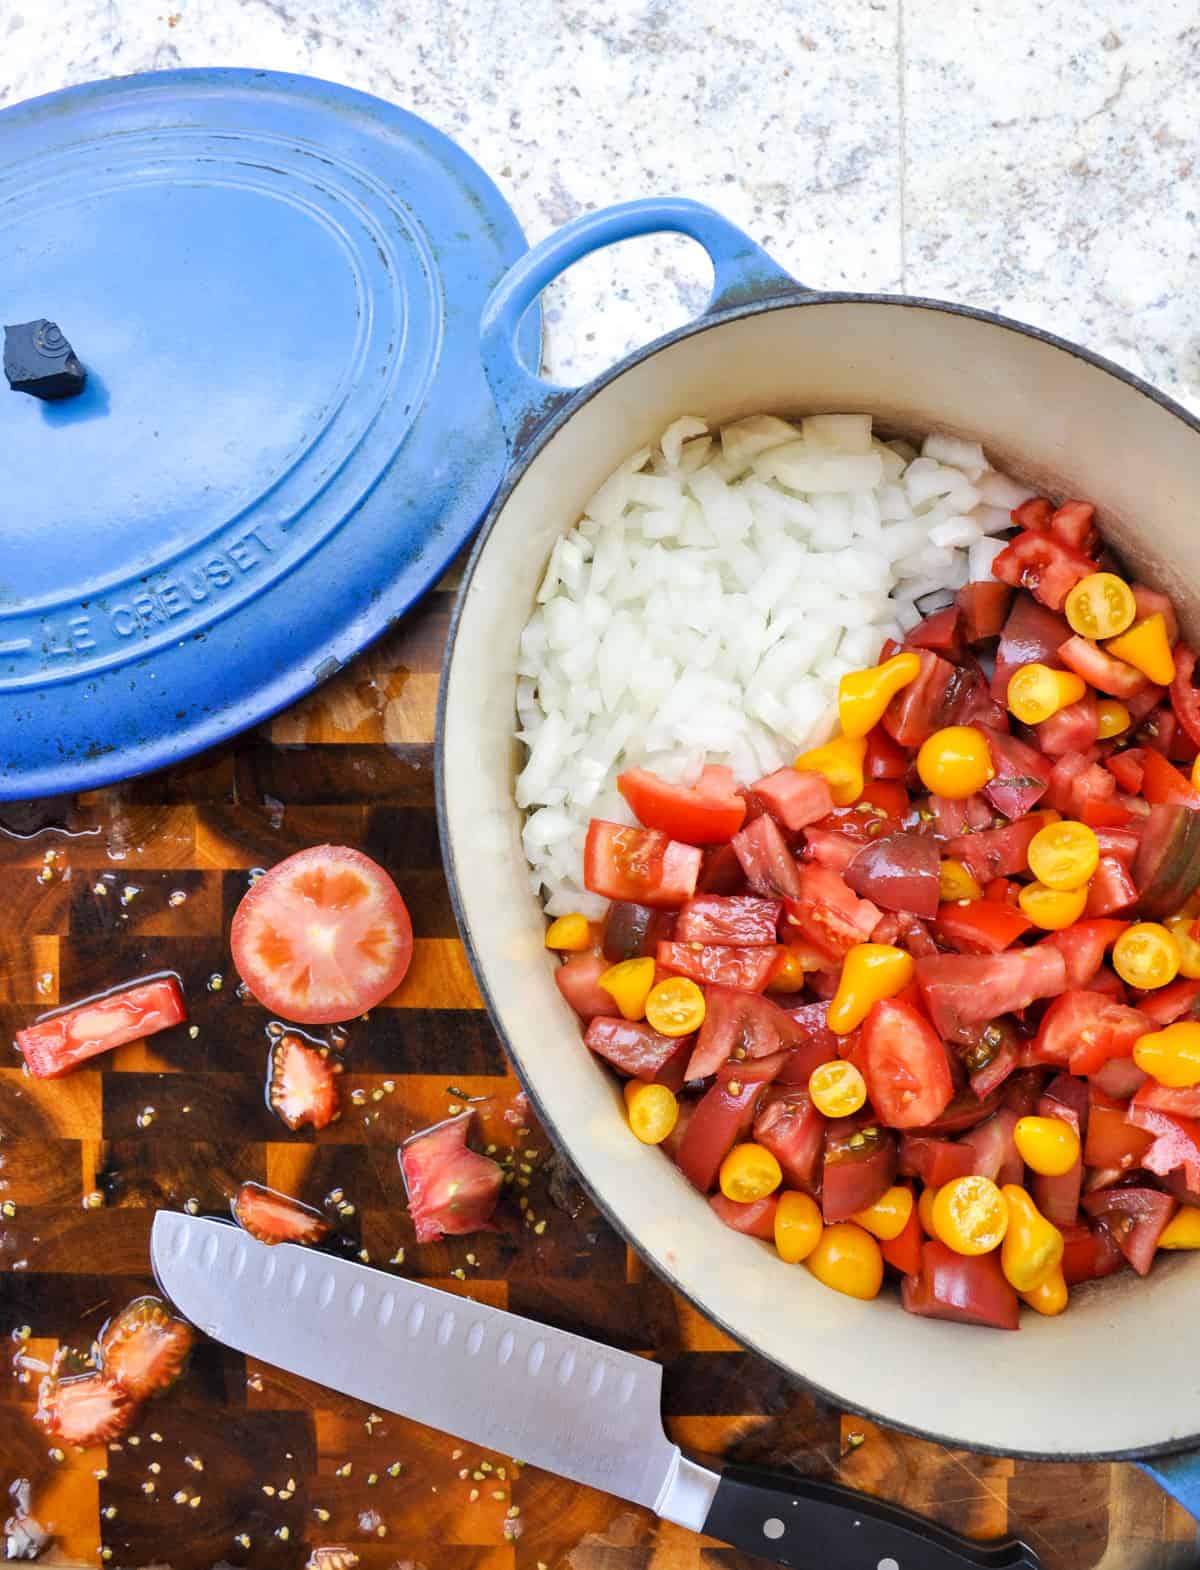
x=452, y=1190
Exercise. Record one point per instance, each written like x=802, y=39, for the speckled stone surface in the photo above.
x=1034, y=159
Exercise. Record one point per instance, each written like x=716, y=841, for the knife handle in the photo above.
x=805, y=1523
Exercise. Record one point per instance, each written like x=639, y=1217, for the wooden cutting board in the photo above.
x=240, y=1465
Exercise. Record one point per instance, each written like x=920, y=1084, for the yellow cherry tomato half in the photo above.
x=749, y=1172
x=628, y=984
x=841, y=762
x=847, y=1259
x=837, y=1088
x=1032, y=1249
x=1051, y=1297
x=1180, y=928
x=870, y=972
x=1036, y=692
x=675, y=1007
x=652, y=1111
x=1064, y=855
x=864, y=695
x=1052, y=909
x=970, y=1215
x=1146, y=956
x=1112, y=717
x=889, y=1215
x=570, y=934
x=1147, y=648
x=798, y=1226
x=1100, y=606
x=1171, y=1055
x=955, y=762
x=956, y=882
x=1183, y=1229
x=1047, y=1145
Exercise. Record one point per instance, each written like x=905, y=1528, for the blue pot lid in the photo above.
x=274, y=285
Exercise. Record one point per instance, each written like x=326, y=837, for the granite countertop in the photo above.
x=1036, y=160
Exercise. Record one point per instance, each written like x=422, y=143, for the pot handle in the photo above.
x=742, y=272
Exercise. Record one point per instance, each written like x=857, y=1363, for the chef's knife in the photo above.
x=556, y=1400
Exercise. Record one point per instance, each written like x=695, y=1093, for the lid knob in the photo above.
x=38, y=360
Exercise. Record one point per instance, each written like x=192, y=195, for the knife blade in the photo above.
x=553, y=1399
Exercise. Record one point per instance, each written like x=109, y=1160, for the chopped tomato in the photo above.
x=1033, y=513
x=1101, y=670
x=769, y=866
x=634, y=931
x=984, y=606
x=903, y=1253
x=639, y=1051
x=1166, y=868
x=577, y=979
x=833, y=848
x=323, y=936
x=1176, y=1141
x=707, y=813
x=898, y=873
x=859, y=1165
x=722, y=1114
x=720, y=871
x=828, y=913
x=994, y=1149
x=452, y=1190
x=1043, y=565
x=934, y=1161
x=1161, y=782
x=940, y=631
x=755, y=1219
x=1136, y=1217
x=963, y=989
x=302, y=1086
x=1110, y=888
x=273, y=1218
x=1074, y=524
x=1031, y=635
x=1089, y=1252
x=952, y=817
x=1073, y=729
x=980, y=927
x=927, y=703
x=1184, y=1101
x=750, y=1025
x=1098, y=813
x=996, y=853
x=143, y=1348
x=964, y=1287
x=797, y=797
x=740, y=919
x=1185, y=699
x=1021, y=777
x=905, y=1066
x=791, y=1128
x=639, y=865
x=722, y=964
x=1084, y=1029
x=1126, y=768
x=1178, y=1001
x=1150, y=602
x=886, y=759
x=1082, y=947
x=59, y=1042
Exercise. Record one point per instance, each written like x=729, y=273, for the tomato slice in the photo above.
x=940, y=631
x=1085, y=1029
x=928, y=702
x=1021, y=778
x=994, y=1149
x=964, y=989
x=1126, y=768
x=707, y=813
x=724, y=1112
x=897, y=873
x=1043, y=565
x=577, y=979
x=1176, y=1141
x=968, y=1288
x=981, y=927
x=739, y=919
x=769, y=866
x=905, y=1066
x=984, y=606
x=323, y=936
x=1181, y=1000
x=1089, y=1252
x=719, y=963
x=797, y=797
x=934, y=1161
x=639, y=865
x=1100, y=669
x=1163, y=783
x=634, y=931
x=60, y=1042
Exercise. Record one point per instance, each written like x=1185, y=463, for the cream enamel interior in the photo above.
x=1092, y=1382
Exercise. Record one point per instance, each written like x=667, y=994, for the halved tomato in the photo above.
x=707, y=813
x=905, y=1066
x=323, y=936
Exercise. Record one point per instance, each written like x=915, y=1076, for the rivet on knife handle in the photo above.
x=813, y=1525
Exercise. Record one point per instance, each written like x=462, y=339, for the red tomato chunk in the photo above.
x=60, y=1042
